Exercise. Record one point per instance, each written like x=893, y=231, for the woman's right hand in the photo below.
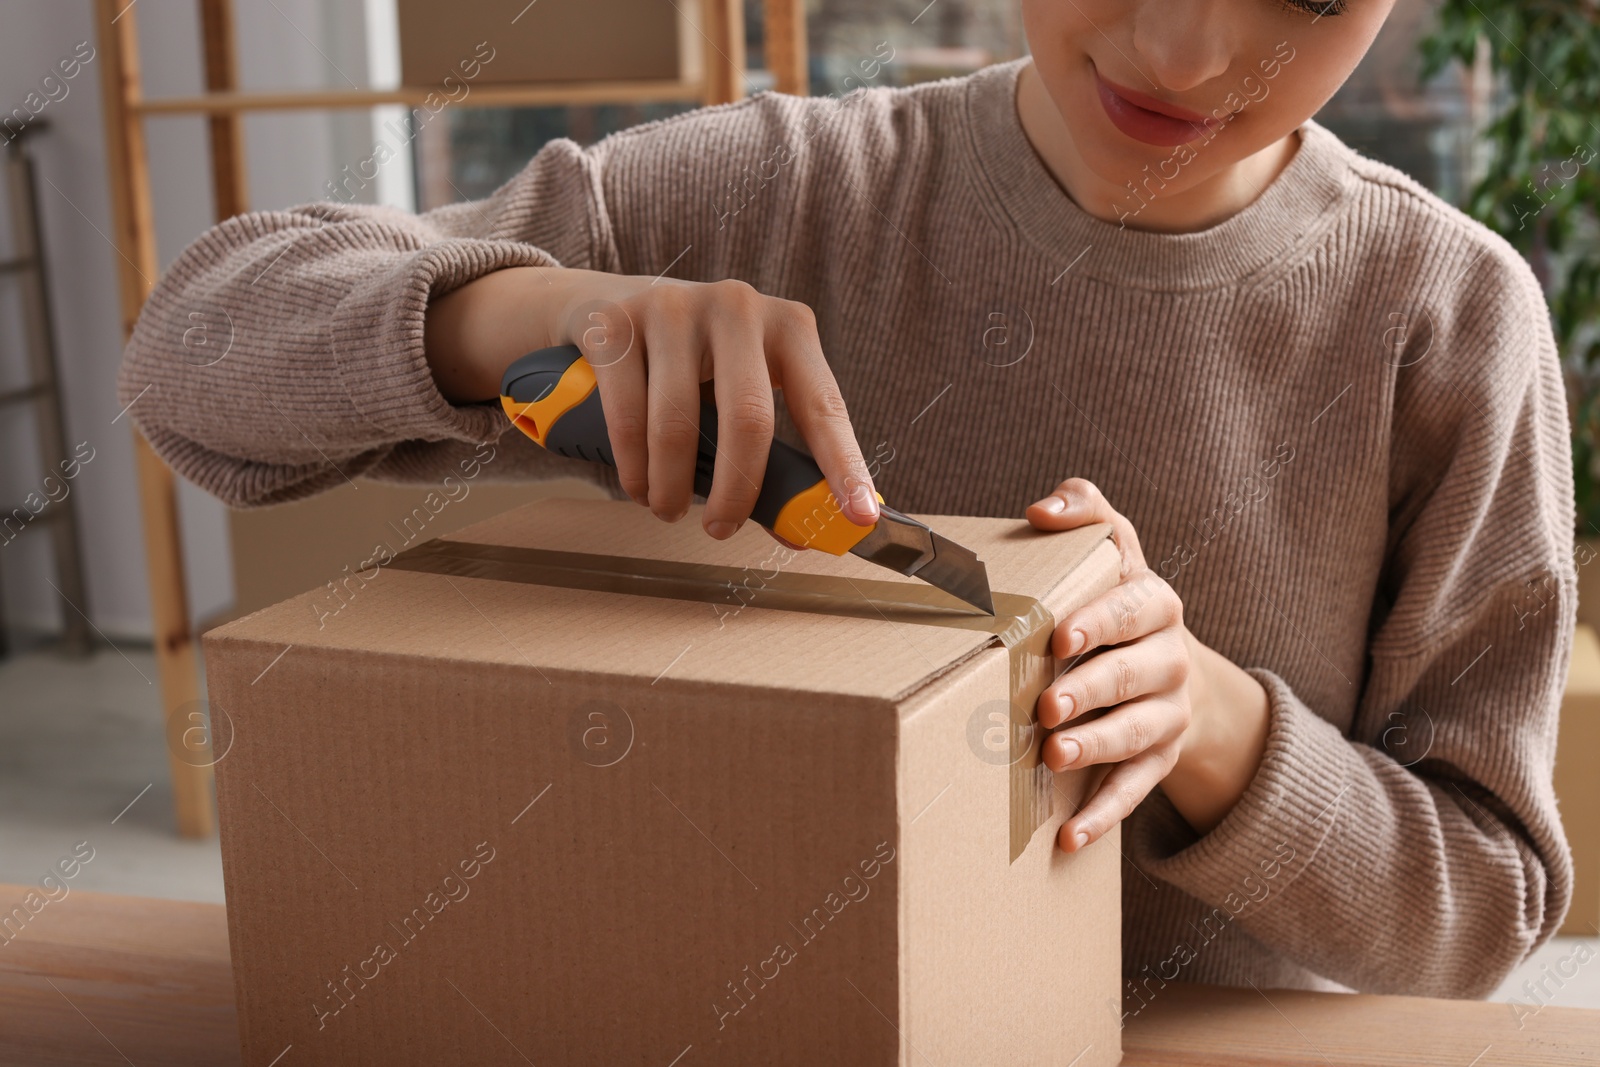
x=652, y=342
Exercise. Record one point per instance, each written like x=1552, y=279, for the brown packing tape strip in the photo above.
x=1022, y=624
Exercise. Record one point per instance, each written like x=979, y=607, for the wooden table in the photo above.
x=98, y=979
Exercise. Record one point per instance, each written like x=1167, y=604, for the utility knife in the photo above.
x=551, y=396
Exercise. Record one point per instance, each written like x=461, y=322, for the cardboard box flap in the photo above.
x=555, y=630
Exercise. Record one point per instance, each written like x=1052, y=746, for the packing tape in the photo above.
x=1021, y=624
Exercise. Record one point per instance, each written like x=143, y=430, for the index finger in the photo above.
x=817, y=407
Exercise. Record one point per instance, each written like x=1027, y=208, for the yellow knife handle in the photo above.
x=551, y=396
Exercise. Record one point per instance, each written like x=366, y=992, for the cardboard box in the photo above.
x=1577, y=787
x=515, y=817
x=487, y=42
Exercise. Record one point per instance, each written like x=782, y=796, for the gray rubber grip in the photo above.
x=581, y=434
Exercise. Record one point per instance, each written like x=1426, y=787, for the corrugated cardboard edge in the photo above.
x=959, y=1001
x=1016, y=962
x=1084, y=574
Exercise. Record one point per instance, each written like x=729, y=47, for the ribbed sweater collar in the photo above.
x=1273, y=226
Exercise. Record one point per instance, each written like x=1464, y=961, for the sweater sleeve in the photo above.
x=1422, y=853
x=282, y=353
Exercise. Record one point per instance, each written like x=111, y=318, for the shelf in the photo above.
x=554, y=94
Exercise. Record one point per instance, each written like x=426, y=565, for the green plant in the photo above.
x=1541, y=188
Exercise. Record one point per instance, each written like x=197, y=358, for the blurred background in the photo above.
x=1446, y=94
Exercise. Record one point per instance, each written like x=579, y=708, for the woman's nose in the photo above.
x=1182, y=44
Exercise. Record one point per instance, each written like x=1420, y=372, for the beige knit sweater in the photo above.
x=1336, y=420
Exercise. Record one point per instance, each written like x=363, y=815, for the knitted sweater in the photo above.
x=1336, y=420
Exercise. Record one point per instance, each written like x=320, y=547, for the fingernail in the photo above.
x=1075, y=642
x=720, y=529
x=1080, y=839
x=1070, y=751
x=863, y=507
x=1067, y=704
x=1053, y=504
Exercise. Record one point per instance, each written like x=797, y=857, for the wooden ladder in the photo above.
x=42, y=393
x=722, y=23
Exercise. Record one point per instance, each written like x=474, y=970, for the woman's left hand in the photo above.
x=1129, y=651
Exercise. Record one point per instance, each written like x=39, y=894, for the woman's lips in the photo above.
x=1135, y=115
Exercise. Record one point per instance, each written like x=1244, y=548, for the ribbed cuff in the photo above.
x=378, y=340
x=1292, y=804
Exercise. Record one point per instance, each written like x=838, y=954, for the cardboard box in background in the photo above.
x=1577, y=785
x=286, y=549
x=552, y=41
x=1585, y=552
x=475, y=820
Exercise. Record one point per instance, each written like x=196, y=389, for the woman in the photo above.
x=1321, y=408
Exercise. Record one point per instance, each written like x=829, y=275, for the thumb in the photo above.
x=1078, y=502
x=1058, y=511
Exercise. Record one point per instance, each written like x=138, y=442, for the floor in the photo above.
x=82, y=759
